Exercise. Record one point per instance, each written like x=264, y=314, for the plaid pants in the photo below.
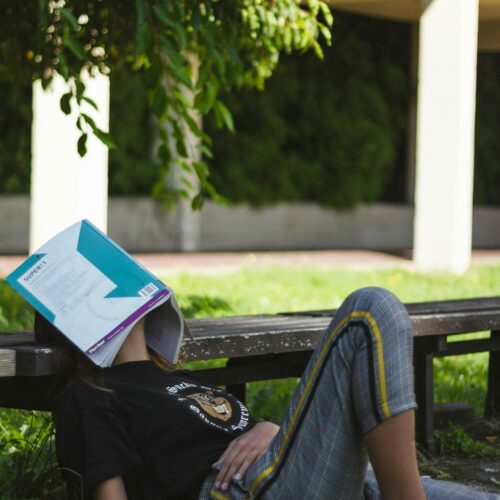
x=359, y=375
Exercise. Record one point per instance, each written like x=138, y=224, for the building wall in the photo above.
x=143, y=225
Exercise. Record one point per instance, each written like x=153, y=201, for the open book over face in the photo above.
x=94, y=293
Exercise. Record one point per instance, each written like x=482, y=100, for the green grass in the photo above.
x=282, y=288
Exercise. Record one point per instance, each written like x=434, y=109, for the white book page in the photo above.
x=164, y=330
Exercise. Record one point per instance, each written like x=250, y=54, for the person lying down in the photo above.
x=141, y=429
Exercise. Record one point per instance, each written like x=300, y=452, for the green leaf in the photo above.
x=164, y=154
x=43, y=11
x=180, y=74
x=79, y=124
x=187, y=183
x=197, y=202
x=325, y=31
x=153, y=74
x=80, y=89
x=140, y=8
x=181, y=98
x=74, y=46
x=65, y=103
x=144, y=38
x=180, y=145
x=70, y=18
x=193, y=126
x=159, y=103
x=186, y=166
x=90, y=121
x=201, y=169
x=318, y=50
x=206, y=151
x=82, y=145
x=165, y=17
x=201, y=101
x=205, y=99
x=105, y=138
x=223, y=116
x=172, y=52
x=327, y=14
x=91, y=102
x=212, y=192
x=63, y=67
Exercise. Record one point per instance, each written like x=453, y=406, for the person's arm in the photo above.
x=110, y=489
x=391, y=448
x=242, y=452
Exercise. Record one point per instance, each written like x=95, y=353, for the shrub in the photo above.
x=15, y=312
x=28, y=467
x=487, y=147
x=331, y=131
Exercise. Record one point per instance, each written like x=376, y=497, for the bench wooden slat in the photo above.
x=7, y=362
x=434, y=307
x=237, y=336
x=16, y=338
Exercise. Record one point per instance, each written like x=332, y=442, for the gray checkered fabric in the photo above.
x=359, y=375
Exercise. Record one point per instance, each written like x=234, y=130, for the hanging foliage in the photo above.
x=188, y=52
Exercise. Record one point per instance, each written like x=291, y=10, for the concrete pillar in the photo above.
x=64, y=186
x=445, y=135
x=188, y=222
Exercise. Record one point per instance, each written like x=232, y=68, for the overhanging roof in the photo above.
x=407, y=10
x=411, y=10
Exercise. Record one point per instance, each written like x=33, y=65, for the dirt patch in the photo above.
x=477, y=472
x=480, y=472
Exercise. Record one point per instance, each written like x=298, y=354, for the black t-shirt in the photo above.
x=160, y=430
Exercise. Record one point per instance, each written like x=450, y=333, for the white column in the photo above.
x=188, y=221
x=445, y=135
x=65, y=187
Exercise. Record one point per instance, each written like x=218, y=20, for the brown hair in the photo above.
x=68, y=360
x=72, y=363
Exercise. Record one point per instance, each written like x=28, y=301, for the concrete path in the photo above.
x=229, y=261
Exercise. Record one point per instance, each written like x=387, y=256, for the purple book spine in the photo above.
x=128, y=321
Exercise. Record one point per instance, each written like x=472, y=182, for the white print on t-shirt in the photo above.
x=174, y=389
x=205, y=419
x=211, y=404
x=243, y=420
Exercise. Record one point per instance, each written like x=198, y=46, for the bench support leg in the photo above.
x=239, y=391
x=492, y=404
x=424, y=391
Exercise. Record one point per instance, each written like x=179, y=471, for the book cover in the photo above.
x=94, y=292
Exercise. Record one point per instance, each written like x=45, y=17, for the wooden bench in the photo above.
x=265, y=347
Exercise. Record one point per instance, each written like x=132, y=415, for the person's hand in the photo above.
x=242, y=452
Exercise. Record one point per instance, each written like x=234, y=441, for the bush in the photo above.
x=132, y=170
x=331, y=131
x=487, y=147
x=28, y=467
x=15, y=139
x=15, y=312
x=456, y=441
